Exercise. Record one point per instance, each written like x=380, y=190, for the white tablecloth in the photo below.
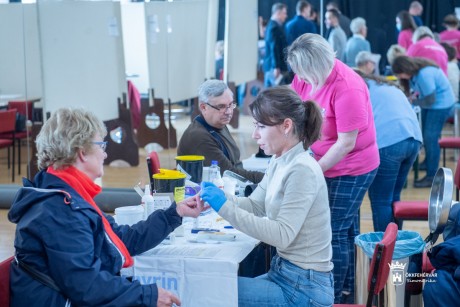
x=256, y=164
x=200, y=274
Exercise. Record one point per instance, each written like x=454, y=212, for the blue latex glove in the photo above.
x=211, y=194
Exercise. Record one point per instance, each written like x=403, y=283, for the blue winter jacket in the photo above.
x=64, y=238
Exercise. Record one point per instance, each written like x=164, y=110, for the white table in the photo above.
x=201, y=274
x=256, y=164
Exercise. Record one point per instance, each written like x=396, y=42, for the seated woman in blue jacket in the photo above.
x=63, y=236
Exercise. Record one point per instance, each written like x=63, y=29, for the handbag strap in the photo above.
x=37, y=275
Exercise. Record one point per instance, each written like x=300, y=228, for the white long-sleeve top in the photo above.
x=293, y=195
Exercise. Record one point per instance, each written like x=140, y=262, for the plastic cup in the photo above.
x=229, y=185
x=129, y=215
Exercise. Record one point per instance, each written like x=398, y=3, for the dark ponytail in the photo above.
x=273, y=105
x=313, y=123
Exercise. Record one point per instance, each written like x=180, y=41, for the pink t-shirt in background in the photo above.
x=345, y=105
x=452, y=37
x=405, y=38
x=429, y=49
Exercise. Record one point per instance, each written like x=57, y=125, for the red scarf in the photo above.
x=88, y=190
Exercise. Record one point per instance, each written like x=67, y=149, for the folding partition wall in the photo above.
x=82, y=55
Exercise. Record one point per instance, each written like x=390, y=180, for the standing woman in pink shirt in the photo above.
x=451, y=35
x=424, y=46
x=406, y=27
x=347, y=151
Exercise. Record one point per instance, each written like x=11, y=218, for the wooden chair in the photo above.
x=380, y=266
x=5, y=281
x=7, y=133
x=450, y=142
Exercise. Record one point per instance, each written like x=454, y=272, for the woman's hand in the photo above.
x=166, y=298
x=191, y=207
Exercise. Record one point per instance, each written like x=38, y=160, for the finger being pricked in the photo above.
x=201, y=203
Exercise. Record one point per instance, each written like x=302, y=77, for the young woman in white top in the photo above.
x=293, y=196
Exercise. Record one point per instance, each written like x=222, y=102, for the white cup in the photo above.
x=205, y=176
x=229, y=185
x=129, y=215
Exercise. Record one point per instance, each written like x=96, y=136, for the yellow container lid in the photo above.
x=190, y=158
x=169, y=174
x=391, y=78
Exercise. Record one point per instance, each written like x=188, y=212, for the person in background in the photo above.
x=406, y=26
x=347, y=151
x=219, y=53
x=424, y=46
x=314, y=18
x=453, y=72
x=432, y=92
x=62, y=234
x=300, y=24
x=275, y=43
x=208, y=134
x=451, y=35
x=357, y=42
x=399, y=139
x=416, y=10
x=288, y=209
x=392, y=52
x=337, y=37
x=344, y=21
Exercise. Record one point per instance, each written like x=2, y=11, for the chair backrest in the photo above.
x=5, y=281
x=23, y=107
x=381, y=261
x=7, y=121
x=153, y=164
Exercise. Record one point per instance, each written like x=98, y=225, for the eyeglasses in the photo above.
x=222, y=107
x=103, y=145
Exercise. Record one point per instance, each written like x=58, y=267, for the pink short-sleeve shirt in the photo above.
x=405, y=38
x=452, y=37
x=429, y=49
x=345, y=105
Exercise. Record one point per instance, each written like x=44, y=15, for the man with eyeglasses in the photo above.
x=208, y=134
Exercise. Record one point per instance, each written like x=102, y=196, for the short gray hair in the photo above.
x=394, y=51
x=278, y=7
x=422, y=32
x=363, y=57
x=67, y=131
x=357, y=24
x=211, y=88
x=311, y=57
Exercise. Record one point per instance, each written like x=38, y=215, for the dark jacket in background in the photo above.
x=298, y=26
x=275, y=45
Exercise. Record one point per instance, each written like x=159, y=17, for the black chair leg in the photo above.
x=19, y=156
x=12, y=171
x=443, y=157
x=399, y=223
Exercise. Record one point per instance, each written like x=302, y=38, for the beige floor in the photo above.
x=129, y=176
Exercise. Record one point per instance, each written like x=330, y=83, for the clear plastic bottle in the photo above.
x=214, y=175
x=148, y=202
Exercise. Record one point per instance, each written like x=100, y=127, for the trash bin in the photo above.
x=408, y=248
